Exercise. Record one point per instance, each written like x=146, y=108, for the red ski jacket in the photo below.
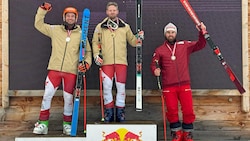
x=176, y=72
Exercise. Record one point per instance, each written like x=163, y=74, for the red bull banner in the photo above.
x=122, y=132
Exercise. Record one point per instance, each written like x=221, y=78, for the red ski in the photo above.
x=214, y=47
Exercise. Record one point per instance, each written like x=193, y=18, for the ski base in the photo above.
x=138, y=92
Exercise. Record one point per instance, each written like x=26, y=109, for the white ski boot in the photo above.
x=66, y=129
x=40, y=128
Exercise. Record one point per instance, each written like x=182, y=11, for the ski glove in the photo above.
x=46, y=6
x=83, y=67
x=98, y=60
x=140, y=35
x=157, y=72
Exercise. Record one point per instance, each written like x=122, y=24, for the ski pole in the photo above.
x=100, y=76
x=84, y=104
x=162, y=104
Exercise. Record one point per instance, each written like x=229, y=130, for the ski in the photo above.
x=214, y=47
x=81, y=79
x=138, y=56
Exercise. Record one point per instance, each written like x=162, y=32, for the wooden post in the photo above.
x=5, y=54
x=245, y=56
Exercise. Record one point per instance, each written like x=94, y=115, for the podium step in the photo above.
x=50, y=139
x=130, y=130
x=98, y=131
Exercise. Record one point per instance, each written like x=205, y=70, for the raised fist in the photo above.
x=46, y=6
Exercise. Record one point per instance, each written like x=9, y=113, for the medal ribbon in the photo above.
x=68, y=35
x=172, y=51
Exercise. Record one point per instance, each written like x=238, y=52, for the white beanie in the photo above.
x=170, y=26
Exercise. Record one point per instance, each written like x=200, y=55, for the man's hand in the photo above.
x=157, y=72
x=98, y=60
x=46, y=6
x=140, y=35
x=83, y=67
x=202, y=28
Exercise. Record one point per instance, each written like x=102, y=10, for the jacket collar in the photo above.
x=76, y=28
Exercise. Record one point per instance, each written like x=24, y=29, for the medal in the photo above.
x=67, y=39
x=68, y=36
x=173, y=57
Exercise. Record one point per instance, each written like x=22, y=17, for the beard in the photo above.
x=171, y=39
x=68, y=26
x=112, y=16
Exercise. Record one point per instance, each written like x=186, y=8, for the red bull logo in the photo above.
x=122, y=134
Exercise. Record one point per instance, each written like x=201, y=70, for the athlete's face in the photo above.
x=170, y=35
x=70, y=18
x=112, y=11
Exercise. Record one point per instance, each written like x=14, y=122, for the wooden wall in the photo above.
x=1, y=54
x=212, y=107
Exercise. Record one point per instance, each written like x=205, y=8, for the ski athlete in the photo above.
x=115, y=34
x=173, y=58
x=63, y=64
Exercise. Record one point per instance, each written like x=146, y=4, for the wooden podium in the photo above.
x=127, y=131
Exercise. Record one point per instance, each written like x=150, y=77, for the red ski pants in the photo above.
x=183, y=94
x=53, y=81
x=119, y=72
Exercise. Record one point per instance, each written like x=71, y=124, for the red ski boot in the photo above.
x=187, y=136
x=176, y=135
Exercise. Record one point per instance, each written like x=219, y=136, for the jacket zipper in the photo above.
x=114, y=49
x=177, y=71
x=64, y=55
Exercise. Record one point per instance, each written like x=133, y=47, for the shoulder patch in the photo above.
x=96, y=30
x=52, y=26
x=154, y=54
x=180, y=42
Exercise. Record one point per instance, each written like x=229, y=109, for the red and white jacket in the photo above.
x=176, y=72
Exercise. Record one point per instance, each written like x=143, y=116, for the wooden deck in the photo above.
x=213, y=122
x=218, y=118
x=204, y=131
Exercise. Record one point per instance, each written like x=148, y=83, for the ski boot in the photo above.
x=66, y=128
x=109, y=115
x=176, y=135
x=41, y=127
x=187, y=136
x=120, y=114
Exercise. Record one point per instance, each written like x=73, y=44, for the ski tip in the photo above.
x=86, y=11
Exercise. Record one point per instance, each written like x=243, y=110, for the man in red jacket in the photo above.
x=173, y=58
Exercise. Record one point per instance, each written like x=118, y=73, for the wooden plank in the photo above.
x=209, y=130
x=91, y=92
x=95, y=100
x=5, y=54
x=151, y=111
x=245, y=56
